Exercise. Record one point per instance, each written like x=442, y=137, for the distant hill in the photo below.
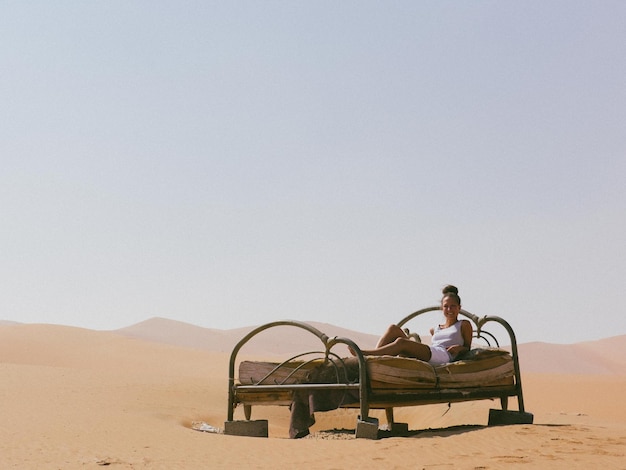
x=606, y=356
x=277, y=340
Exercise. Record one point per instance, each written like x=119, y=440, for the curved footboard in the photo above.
x=327, y=344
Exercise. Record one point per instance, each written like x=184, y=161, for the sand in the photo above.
x=76, y=398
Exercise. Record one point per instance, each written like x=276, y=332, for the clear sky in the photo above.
x=231, y=163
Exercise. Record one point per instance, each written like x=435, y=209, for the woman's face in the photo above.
x=450, y=307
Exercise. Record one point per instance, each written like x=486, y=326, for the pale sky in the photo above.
x=233, y=163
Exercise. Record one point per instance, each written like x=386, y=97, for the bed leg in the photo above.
x=247, y=411
x=389, y=414
x=504, y=403
x=393, y=428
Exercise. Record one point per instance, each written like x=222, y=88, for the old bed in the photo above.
x=322, y=380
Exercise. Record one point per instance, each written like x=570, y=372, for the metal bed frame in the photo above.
x=370, y=398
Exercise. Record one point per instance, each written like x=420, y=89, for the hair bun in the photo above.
x=449, y=289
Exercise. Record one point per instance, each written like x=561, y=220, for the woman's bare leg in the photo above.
x=401, y=347
x=393, y=332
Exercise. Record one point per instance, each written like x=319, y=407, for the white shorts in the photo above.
x=439, y=356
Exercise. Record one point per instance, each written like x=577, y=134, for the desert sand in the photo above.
x=76, y=398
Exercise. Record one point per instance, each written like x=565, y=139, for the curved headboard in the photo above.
x=478, y=323
x=481, y=333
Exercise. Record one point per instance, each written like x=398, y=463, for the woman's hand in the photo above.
x=456, y=350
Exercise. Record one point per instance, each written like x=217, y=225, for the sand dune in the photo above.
x=77, y=398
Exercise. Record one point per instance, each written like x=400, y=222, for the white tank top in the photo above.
x=443, y=338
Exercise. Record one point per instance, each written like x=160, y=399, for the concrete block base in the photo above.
x=367, y=429
x=255, y=428
x=502, y=417
x=399, y=429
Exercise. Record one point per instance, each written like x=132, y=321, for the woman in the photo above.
x=449, y=340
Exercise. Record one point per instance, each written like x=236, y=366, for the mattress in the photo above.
x=482, y=368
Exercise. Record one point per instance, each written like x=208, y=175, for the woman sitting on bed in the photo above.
x=449, y=340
